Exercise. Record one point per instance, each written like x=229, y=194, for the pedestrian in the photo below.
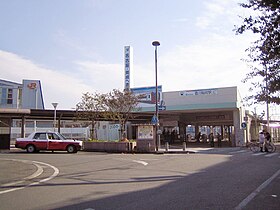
x=262, y=140
x=168, y=136
x=219, y=137
x=164, y=133
x=173, y=134
x=267, y=136
x=267, y=139
x=211, y=139
x=198, y=137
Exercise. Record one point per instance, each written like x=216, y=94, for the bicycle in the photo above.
x=270, y=146
x=256, y=147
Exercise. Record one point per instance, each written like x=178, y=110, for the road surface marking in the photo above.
x=140, y=161
x=271, y=154
x=257, y=154
x=32, y=176
x=36, y=174
x=237, y=152
x=257, y=191
x=149, y=159
x=55, y=173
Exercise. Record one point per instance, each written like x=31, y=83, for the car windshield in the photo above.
x=61, y=136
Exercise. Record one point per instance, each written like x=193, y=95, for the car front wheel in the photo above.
x=30, y=148
x=71, y=149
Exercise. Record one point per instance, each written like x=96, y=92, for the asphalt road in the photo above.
x=226, y=178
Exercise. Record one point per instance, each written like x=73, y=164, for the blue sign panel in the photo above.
x=243, y=125
x=154, y=120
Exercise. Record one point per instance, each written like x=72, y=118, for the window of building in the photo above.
x=6, y=96
x=10, y=96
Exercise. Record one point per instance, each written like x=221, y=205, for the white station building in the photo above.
x=217, y=110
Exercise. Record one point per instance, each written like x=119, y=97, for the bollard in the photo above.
x=166, y=146
x=184, y=146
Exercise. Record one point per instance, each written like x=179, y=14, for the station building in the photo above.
x=188, y=113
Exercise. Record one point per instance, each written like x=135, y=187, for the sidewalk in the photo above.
x=178, y=149
x=192, y=150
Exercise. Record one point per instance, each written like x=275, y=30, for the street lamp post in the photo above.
x=156, y=44
x=54, y=119
x=267, y=101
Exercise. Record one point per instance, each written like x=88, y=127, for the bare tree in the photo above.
x=119, y=107
x=89, y=109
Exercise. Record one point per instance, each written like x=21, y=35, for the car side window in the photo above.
x=56, y=137
x=50, y=136
x=53, y=136
x=41, y=136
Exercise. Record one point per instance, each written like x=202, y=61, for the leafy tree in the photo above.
x=119, y=107
x=264, y=53
x=89, y=109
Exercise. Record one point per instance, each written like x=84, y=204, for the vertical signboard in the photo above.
x=128, y=65
x=145, y=132
x=32, y=96
x=145, y=138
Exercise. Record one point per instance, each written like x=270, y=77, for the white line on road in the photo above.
x=271, y=154
x=240, y=151
x=255, y=193
x=149, y=159
x=55, y=173
x=257, y=154
x=32, y=176
x=141, y=162
x=36, y=174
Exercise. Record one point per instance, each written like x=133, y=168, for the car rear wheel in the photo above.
x=71, y=149
x=30, y=148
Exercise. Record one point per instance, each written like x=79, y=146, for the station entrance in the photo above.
x=199, y=129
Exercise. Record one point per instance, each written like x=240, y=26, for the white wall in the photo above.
x=205, y=96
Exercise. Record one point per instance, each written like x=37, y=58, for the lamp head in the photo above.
x=155, y=43
x=55, y=105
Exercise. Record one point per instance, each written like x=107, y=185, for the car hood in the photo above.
x=73, y=140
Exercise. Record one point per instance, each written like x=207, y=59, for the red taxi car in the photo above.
x=48, y=141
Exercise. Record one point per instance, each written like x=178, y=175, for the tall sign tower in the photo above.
x=128, y=66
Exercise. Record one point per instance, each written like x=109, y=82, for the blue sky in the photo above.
x=77, y=46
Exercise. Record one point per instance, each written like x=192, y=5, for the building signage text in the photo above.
x=199, y=92
x=127, y=67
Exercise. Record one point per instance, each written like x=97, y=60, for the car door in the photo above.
x=40, y=141
x=55, y=142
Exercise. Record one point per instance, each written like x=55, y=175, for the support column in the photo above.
x=182, y=131
x=22, y=135
x=196, y=131
x=58, y=126
x=239, y=134
x=222, y=131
